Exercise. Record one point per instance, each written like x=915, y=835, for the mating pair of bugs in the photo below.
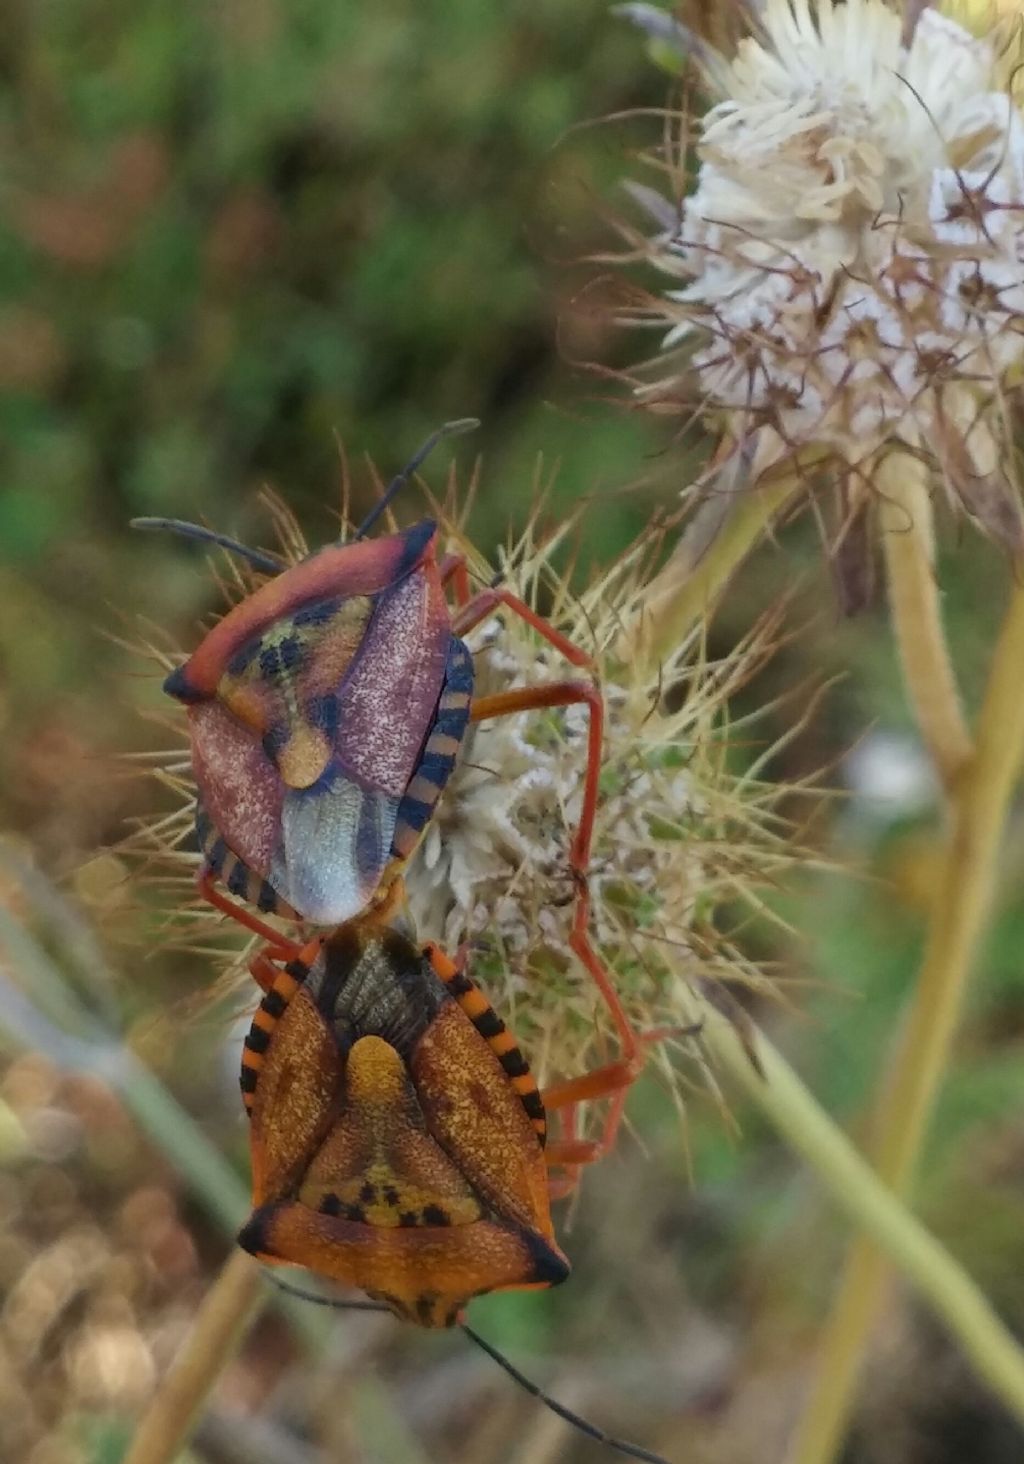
x=399, y=1141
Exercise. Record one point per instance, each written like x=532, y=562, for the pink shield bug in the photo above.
x=327, y=710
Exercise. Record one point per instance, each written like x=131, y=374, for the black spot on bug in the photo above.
x=330, y=1205
x=267, y=900
x=434, y=1215
x=489, y=1024
x=179, y=686
x=368, y=1193
x=270, y=662
x=416, y=813
x=274, y=1004
x=546, y=1265
x=316, y=614
x=391, y=1196
x=274, y=739
x=514, y=1063
x=356, y=1214
x=243, y=659
x=290, y=653
x=253, y=1235
x=322, y=712
x=408, y=1217
x=238, y=880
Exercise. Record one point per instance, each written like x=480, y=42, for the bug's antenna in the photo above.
x=267, y=563
x=590, y=1430
x=449, y=429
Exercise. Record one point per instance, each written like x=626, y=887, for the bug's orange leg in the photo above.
x=614, y=1079
x=579, y=941
x=453, y=571
x=278, y=945
x=487, y=601
x=570, y=1153
x=611, y=1078
x=265, y=968
x=569, y=693
x=262, y=970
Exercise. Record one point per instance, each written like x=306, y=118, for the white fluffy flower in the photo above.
x=852, y=256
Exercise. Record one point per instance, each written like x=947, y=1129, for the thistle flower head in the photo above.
x=849, y=265
x=676, y=834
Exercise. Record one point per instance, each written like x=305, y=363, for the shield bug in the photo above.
x=399, y=1141
x=328, y=707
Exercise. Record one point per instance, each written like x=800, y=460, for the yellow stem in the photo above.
x=961, y=905
x=989, y=1346
x=221, y=1325
x=700, y=567
x=907, y=535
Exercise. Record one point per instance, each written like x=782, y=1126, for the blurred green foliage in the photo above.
x=235, y=234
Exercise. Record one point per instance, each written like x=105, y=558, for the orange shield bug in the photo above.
x=399, y=1142
x=389, y=1149
x=327, y=710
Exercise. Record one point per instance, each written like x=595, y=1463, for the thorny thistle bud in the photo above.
x=677, y=835
x=848, y=262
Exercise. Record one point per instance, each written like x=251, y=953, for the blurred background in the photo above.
x=234, y=237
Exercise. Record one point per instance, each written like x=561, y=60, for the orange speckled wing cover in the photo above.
x=422, y=1183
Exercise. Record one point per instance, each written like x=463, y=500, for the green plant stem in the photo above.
x=871, y=1205
x=963, y=897
x=220, y=1327
x=702, y=564
x=908, y=539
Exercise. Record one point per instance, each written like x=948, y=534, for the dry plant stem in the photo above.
x=962, y=899
x=224, y=1318
x=908, y=537
x=696, y=573
x=871, y=1205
